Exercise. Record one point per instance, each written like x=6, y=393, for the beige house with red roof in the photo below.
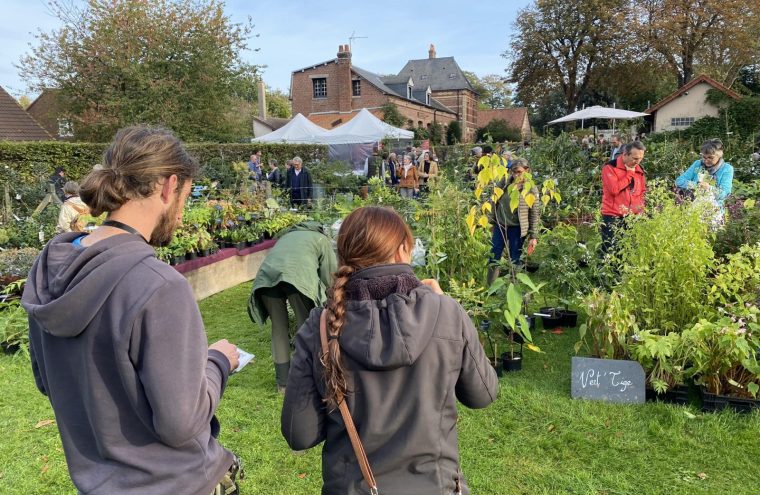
x=683, y=107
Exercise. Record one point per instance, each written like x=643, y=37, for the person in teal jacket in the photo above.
x=708, y=170
x=297, y=270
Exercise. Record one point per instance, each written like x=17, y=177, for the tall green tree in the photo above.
x=175, y=63
x=564, y=45
x=717, y=37
x=493, y=90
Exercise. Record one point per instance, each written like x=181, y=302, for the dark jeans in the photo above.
x=275, y=300
x=610, y=233
x=514, y=241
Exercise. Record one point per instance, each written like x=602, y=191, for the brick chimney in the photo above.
x=344, y=78
x=431, y=51
x=262, y=100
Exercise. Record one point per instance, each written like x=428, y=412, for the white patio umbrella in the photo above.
x=599, y=112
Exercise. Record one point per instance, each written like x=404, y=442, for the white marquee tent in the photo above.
x=353, y=141
x=299, y=130
x=599, y=112
x=365, y=128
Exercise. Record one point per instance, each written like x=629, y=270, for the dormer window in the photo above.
x=427, y=98
x=409, y=92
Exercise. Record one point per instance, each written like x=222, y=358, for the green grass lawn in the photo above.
x=533, y=440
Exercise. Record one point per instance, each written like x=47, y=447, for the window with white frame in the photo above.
x=409, y=92
x=681, y=121
x=319, y=84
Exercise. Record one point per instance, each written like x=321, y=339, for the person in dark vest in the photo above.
x=58, y=179
x=392, y=166
x=274, y=176
x=299, y=183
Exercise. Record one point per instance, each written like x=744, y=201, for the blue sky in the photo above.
x=295, y=34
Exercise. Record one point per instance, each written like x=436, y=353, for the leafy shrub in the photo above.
x=17, y=262
x=666, y=258
x=742, y=226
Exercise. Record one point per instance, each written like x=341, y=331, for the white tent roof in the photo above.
x=299, y=130
x=599, y=112
x=364, y=128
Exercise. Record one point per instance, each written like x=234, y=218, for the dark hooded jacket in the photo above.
x=409, y=355
x=118, y=346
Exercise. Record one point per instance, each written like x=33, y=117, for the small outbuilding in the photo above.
x=688, y=104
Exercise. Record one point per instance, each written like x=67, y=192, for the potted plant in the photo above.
x=473, y=297
x=724, y=356
x=505, y=305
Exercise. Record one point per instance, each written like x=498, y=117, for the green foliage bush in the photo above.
x=499, y=130
x=17, y=262
x=32, y=162
x=666, y=259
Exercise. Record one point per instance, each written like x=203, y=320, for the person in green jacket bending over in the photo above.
x=297, y=270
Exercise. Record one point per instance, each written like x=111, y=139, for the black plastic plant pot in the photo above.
x=551, y=317
x=511, y=361
x=176, y=260
x=582, y=263
x=250, y=243
x=531, y=267
x=240, y=245
x=569, y=318
x=498, y=365
x=267, y=235
x=190, y=256
x=675, y=395
x=713, y=402
x=9, y=348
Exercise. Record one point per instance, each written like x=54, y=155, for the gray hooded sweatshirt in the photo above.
x=118, y=346
x=410, y=354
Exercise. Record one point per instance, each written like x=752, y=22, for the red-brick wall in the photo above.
x=465, y=103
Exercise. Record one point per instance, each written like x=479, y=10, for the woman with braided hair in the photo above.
x=400, y=353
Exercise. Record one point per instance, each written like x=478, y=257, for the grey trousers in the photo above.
x=275, y=300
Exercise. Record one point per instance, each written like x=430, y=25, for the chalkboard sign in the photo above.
x=608, y=380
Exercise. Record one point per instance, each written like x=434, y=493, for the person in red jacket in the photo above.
x=623, y=188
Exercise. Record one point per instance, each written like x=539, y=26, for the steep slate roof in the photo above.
x=686, y=87
x=442, y=74
x=16, y=124
x=397, y=87
x=514, y=116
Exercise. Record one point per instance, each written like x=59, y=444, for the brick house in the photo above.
x=332, y=92
x=46, y=110
x=16, y=124
x=515, y=117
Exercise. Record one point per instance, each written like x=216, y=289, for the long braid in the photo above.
x=335, y=377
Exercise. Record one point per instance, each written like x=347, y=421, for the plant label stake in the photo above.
x=608, y=380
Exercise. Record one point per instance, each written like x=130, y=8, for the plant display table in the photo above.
x=224, y=269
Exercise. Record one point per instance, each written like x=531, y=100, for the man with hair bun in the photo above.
x=116, y=339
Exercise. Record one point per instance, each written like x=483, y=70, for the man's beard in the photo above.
x=167, y=224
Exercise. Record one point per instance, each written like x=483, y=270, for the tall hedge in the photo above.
x=25, y=158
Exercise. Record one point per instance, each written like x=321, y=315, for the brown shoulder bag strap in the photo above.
x=79, y=209
x=356, y=442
